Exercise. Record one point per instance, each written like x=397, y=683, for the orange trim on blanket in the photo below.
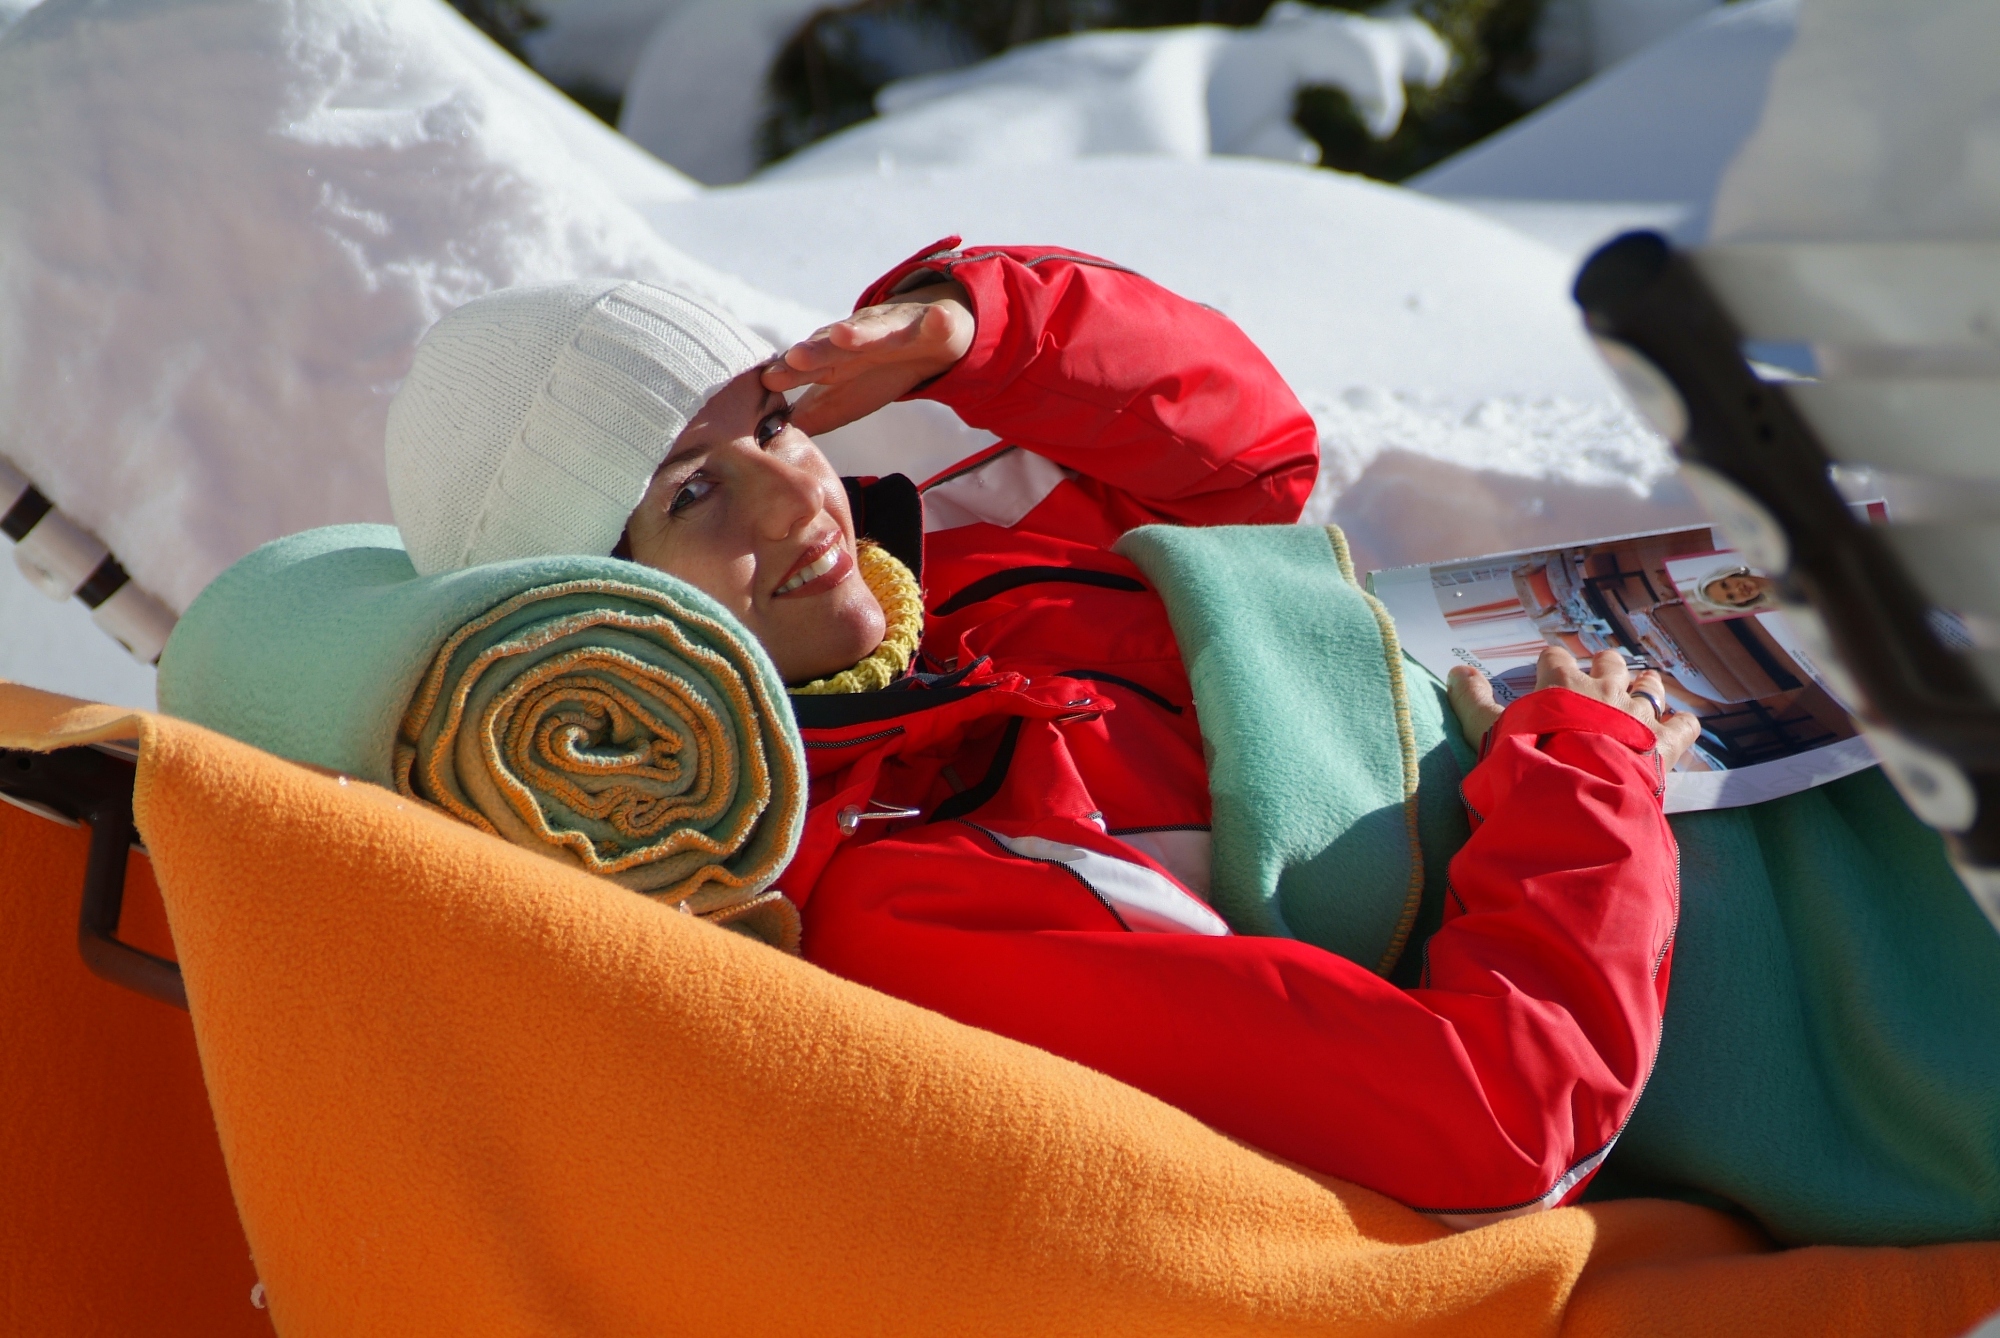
x=527, y=742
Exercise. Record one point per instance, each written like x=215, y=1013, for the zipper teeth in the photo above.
x=1659, y=1031
x=1675, y=927
x=1659, y=1027
x=855, y=742
x=1638, y=1093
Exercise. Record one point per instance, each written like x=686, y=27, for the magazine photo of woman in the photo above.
x=1676, y=602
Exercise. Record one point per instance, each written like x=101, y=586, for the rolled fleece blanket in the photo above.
x=595, y=711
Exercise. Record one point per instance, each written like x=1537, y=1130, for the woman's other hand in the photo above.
x=874, y=357
x=1608, y=680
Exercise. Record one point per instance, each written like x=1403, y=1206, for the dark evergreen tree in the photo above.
x=1489, y=39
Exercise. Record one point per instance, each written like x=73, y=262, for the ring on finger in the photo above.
x=1660, y=709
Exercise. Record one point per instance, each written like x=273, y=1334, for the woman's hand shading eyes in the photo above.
x=876, y=356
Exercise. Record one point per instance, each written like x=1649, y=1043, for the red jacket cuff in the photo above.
x=1558, y=711
x=931, y=257
x=961, y=380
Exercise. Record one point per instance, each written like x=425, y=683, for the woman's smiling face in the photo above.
x=747, y=510
x=1737, y=590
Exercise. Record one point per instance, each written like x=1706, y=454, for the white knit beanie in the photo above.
x=533, y=418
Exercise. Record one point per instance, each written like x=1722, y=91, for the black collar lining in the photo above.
x=907, y=695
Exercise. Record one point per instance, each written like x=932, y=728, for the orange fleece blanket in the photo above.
x=462, y=1090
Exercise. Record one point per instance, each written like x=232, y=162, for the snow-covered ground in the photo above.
x=1575, y=39
x=698, y=93
x=1340, y=279
x=594, y=43
x=1642, y=145
x=1861, y=225
x=222, y=228
x=1181, y=92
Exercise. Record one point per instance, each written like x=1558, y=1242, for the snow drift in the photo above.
x=1657, y=129
x=223, y=226
x=1179, y=92
x=698, y=94
x=594, y=43
x=224, y=223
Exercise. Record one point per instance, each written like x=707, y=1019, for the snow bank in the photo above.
x=1461, y=409
x=1179, y=92
x=1621, y=29
x=1657, y=130
x=1883, y=124
x=698, y=96
x=1575, y=39
x=224, y=224
x=595, y=43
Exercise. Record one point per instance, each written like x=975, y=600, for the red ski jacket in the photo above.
x=1017, y=835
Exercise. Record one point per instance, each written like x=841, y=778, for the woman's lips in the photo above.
x=820, y=568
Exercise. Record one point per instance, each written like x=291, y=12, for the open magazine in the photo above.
x=1679, y=601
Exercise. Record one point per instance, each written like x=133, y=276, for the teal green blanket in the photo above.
x=599, y=712
x=1831, y=1055
x=1334, y=797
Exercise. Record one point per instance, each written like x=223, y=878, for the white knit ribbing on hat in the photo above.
x=533, y=418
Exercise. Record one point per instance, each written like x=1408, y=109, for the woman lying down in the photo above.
x=1010, y=797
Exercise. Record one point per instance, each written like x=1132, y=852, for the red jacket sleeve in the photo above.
x=1495, y=1088
x=1109, y=374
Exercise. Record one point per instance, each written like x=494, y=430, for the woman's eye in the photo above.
x=772, y=424
x=690, y=492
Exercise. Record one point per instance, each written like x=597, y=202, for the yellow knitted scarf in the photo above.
x=902, y=602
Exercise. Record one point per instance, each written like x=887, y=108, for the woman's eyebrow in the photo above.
x=679, y=451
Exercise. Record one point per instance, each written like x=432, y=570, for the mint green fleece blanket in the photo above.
x=1830, y=1061
x=1331, y=774
x=599, y=712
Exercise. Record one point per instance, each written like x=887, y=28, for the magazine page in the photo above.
x=1679, y=601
